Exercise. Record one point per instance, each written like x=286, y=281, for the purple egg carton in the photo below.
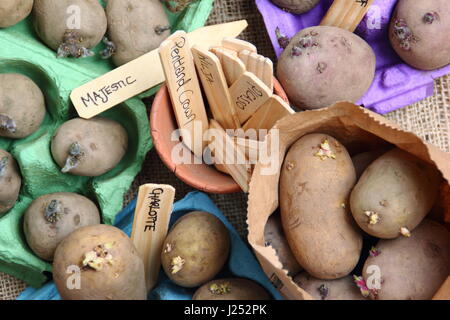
x=396, y=84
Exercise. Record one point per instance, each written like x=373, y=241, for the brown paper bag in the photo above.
x=359, y=130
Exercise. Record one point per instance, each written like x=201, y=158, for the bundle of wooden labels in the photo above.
x=242, y=107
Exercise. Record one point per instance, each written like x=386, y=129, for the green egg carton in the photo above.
x=23, y=52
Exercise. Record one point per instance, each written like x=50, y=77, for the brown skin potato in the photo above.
x=52, y=217
x=339, y=289
x=22, y=106
x=411, y=268
x=14, y=11
x=296, y=6
x=418, y=33
x=195, y=249
x=324, y=65
x=394, y=194
x=89, y=147
x=111, y=268
x=316, y=179
x=10, y=182
x=53, y=18
x=274, y=236
x=362, y=160
x=136, y=27
x=231, y=289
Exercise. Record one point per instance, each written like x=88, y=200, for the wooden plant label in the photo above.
x=150, y=226
x=235, y=164
x=216, y=88
x=232, y=66
x=238, y=44
x=250, y=147
x=248, y=93
x=140, y=74
x=184, y=90
x=259, y=65
x=268, y=114
x=346, y=14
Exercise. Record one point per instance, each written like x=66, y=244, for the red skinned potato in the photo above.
x=109, y=264
x=296, y=6
x=338, y=289
x=323, y=65
x=52, y=217
x=419, y=33
x=10, y=182
x=14, y=11
x=394, y=194
x=316, y=180
x=410, y=268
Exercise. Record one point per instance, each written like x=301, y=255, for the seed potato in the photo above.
x=71, y=27
x=52, y=217
x=274, y=236
x=195, y=249
x=411, y=268
x=231, y=289
x=10, y=182
x=316, y=179
x=418, y=33
x=110, y=267
x=296, y=6
x=339, y=289
x=22, y=106
x=89, y=147
x=323, y=65
x=394, y=194
x=362, y=160
x=14, y=11
x=136, y=27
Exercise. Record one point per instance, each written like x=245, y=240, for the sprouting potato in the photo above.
x=411, y=268
x=10, y=182
x=315, y=183
x=109, y=265
x=70, y=27
x=231, y=289
x=195, y=249
x=324, y=65
x=274, y=236
x=14, y=11
x=135, y=27
x=338, y=289
x=89, y=147
x=52, y=217
x=22, y=106
x=418, y=33
x=394, y=194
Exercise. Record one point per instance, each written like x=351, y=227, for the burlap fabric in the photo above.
x=429, y=119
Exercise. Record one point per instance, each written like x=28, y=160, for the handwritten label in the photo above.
x=101, y=96
x=141, y=74
x=216, y=88
x=248, y=94
x=150, y=226
x=184, y=90
x=154, y=205
x=345, y=14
